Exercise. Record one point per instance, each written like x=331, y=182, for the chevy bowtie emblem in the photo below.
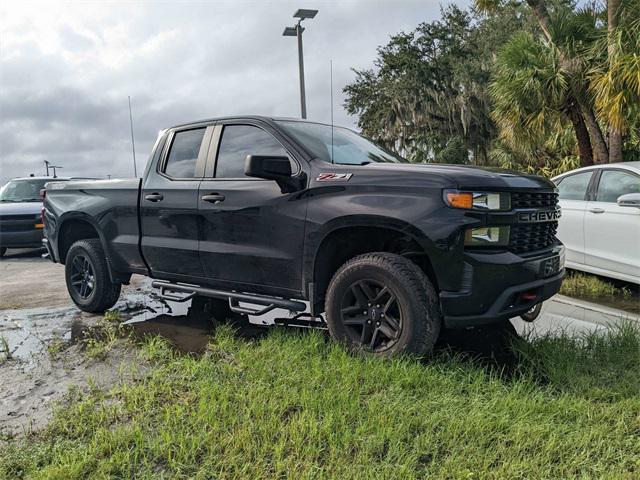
x=332, y=177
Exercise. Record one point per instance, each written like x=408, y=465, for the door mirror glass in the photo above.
x=629, y=200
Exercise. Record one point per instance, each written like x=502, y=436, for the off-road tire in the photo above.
x=416, y=299
x=105, y=293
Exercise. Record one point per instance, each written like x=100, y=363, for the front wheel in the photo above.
x=87, y=275
x=531, y=314
x=3, y=250
x=384, y=304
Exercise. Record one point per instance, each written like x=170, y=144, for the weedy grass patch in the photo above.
x=584, y=285
x=292, y=405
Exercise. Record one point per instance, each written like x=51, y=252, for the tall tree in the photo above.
x=427, y=97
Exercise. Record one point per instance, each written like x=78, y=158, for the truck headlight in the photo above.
x=486, y=237
x=478, y=200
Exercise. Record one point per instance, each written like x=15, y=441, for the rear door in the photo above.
x=252, y=233
x=169, y=205
x=573, y=190
x=612, y=232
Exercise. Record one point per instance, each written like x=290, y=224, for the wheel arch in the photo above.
x=347, y=237
x=74, y=227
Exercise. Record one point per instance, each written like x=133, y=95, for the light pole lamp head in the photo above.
x=303, y=13
x=290, y=32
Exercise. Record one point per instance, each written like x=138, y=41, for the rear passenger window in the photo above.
x=574, y=187
x=237, y=142
x=183, y=155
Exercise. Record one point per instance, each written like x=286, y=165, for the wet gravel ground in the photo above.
x=36, y=312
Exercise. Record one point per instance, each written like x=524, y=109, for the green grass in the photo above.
x=584, y=285
x=292, y=405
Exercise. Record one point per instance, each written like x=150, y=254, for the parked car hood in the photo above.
x=467, y=176
x=20, y=208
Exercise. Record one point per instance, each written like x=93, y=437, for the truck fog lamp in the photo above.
x=486, y=236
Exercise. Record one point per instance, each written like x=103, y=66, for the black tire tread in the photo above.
x=428, y=322
x=107, y=292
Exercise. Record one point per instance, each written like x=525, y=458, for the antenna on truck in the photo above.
x=331, y=99
x=133, y=143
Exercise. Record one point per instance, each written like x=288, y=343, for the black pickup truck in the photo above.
x=255, y=213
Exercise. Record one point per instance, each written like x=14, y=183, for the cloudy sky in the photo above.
x=66, y=70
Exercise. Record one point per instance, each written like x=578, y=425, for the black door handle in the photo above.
x=213, y=198
x=154, y=197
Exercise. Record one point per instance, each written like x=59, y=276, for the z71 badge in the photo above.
x=333, y=177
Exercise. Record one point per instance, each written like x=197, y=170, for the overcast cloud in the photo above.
x=66, y=70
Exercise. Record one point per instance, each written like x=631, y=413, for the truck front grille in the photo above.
x=532, y=236
x=533, y=199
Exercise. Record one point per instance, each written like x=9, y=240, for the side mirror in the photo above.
x=273, y=168
x=629, y=200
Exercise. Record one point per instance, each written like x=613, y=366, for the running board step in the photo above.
x=233, y=297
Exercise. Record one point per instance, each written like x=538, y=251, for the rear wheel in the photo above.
x=384, y=304
x=3, y=250
x=87, y=275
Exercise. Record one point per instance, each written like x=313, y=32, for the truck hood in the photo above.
x=21, y=208
x=466, y=176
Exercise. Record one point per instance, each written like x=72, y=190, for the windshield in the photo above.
x=337, y=144
x=22, y=190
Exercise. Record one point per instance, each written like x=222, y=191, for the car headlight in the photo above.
x=478, y=200
x=487, y=237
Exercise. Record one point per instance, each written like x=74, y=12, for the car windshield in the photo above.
x=27, y=190
x=337, y=144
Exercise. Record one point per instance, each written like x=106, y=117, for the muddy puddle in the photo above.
x=28, y=333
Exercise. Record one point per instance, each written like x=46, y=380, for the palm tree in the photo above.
x=615, y=74
x=533, y=95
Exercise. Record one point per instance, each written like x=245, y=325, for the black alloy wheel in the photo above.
x=83, y=278
x=372, y=315
x=88, y=279
x=383, y=304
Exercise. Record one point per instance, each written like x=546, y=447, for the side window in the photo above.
x=237, y=142
x=574, y=187
x=614, y=183
x=183, y=155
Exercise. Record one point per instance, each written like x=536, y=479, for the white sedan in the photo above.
x=600, y=223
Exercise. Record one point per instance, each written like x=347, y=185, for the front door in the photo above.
x=252, y=233
x=612, y=232
x=169, y=206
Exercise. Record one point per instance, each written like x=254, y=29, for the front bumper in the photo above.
x=499, y=286
x=24, y=239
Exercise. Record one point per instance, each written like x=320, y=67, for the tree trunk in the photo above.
x=615, y=144
x=542, y=15
x=582, y=135
x=615, y=134
x=600, y=150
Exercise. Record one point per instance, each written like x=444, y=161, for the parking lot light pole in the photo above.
x=296, y=31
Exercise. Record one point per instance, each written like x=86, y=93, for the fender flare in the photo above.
x=316, y=239
x=83, y=217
